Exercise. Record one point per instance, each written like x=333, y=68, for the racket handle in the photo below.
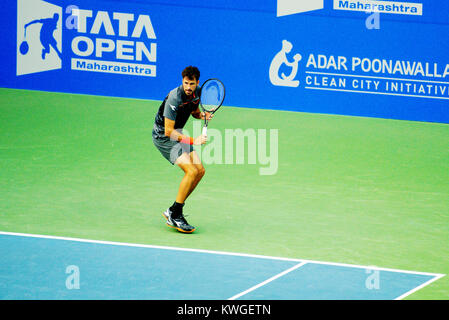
x=204, y=131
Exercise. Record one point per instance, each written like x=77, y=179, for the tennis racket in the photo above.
x=24, y=47
x=211, y=98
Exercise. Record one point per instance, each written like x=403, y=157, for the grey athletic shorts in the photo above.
x=171, y=150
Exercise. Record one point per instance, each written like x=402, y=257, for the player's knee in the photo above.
x=192, y=171
x=201, y=172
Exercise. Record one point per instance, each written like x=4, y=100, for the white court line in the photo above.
x=267, y=281
x=145, y=246
x=300, y=261
x=419, y=287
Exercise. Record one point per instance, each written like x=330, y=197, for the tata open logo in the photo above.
x=100, y=40
x=39, y=36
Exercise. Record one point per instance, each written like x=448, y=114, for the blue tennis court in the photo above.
x=53, y=268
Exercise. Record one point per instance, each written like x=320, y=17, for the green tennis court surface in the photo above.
x=349, y=190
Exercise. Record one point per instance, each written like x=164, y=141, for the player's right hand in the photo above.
x=202, y=139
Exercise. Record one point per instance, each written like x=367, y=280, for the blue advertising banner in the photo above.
x=385, y=59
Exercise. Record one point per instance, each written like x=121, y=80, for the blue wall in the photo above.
x=237, y=42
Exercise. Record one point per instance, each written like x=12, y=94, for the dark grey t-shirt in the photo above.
x=176, y=106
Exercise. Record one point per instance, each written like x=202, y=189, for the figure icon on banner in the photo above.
x=280, y=59
x=47, y=39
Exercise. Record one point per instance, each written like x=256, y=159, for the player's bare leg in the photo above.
x=200, y=168
x=193, y=173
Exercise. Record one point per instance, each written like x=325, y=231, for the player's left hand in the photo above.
x=206, y=115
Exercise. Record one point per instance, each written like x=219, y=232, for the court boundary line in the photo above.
x=277, y=276
x=301, y=262
x=437, y=277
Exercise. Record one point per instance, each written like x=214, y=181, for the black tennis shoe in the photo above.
x=179, y=223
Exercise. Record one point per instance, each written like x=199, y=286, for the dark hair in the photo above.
x=191, y=72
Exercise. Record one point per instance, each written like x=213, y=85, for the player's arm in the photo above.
x=170, y=112
x=197, y=114
x=176, y=136
x=33, y=22
x=170, y=130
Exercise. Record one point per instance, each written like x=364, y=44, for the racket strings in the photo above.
x=210, y=108
x=212, y=96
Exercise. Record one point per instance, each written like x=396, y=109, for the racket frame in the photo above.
x=206, y=122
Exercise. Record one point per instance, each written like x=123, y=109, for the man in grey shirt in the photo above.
x=176, y=147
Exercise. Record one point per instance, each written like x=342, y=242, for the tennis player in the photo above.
x=176, y=147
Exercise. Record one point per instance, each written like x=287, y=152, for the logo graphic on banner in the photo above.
x=379, y=76
x=39, y=36
x=281, y=59
x=127, y=46
x=287, y=7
